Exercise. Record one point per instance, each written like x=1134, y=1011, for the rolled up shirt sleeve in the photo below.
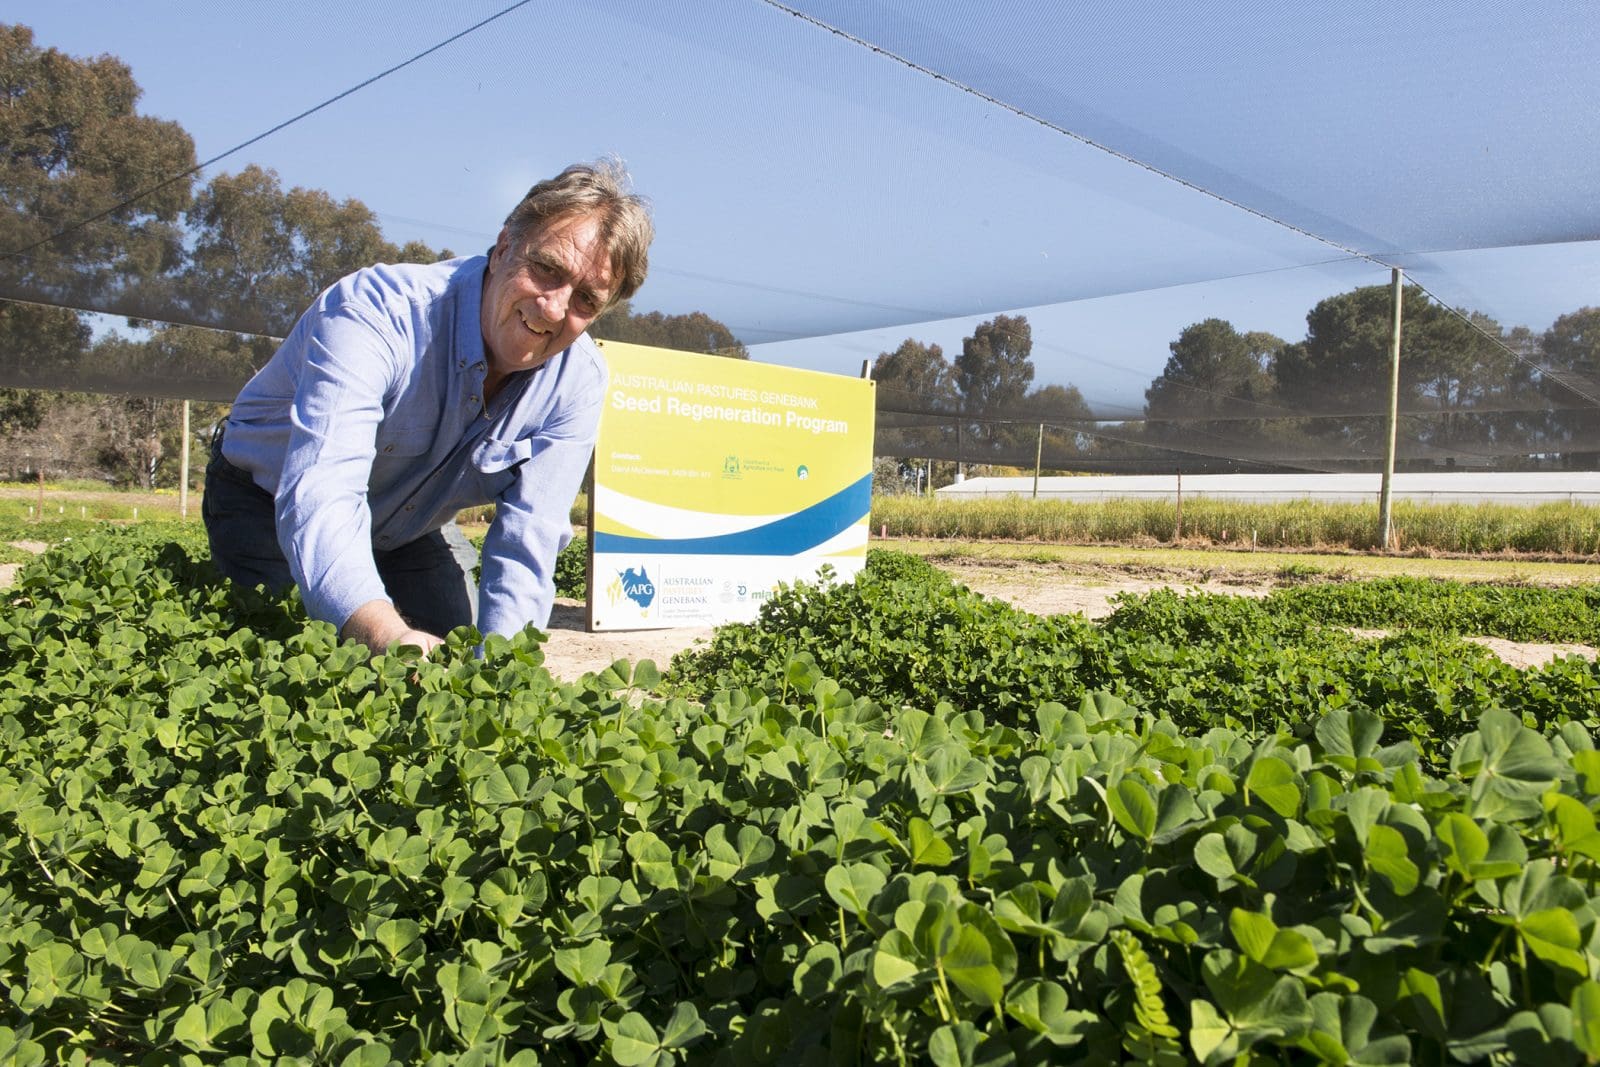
x=323, y=519
x=531, y=523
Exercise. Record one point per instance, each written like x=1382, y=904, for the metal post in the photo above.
x=1385, y=501
x=1038, y=459
x=183, y=466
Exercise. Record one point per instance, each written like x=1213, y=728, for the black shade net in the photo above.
x=1095, y=170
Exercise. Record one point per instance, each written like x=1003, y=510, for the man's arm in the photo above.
x=378, y=625
x=324, y=525
x=531, y=517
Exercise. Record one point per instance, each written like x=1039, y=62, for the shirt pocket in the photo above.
x=497, y=463
x=404, y=439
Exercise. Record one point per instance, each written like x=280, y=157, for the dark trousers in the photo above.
x=429, y=579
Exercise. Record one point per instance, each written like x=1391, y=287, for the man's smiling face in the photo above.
x=540, y=295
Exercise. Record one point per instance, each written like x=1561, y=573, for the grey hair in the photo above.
x=600, y=190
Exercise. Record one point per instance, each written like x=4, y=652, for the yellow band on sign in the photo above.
x=717, y=479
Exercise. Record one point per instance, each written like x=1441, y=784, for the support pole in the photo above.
x=1038, y=460
x=1385, y=492
x=183, y=466
x=1177, y=534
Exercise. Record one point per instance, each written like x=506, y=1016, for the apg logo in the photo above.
x=635, y=584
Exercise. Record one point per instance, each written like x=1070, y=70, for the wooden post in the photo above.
x=1178, y=533
x=1385, y=492
x=1038, y=459
x=183, y=466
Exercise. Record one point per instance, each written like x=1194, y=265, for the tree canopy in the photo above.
x=99, y=213
x=89, y=203
x=915, y=377
x=995, y=367
x=1457, y=374
x=694, y=332
x=1214, y=370
x=1570, y=382
x=99, y=210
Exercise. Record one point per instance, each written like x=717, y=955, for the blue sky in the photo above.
x=827, y=201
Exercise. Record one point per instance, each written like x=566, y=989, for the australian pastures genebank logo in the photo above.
x=665, y=591
x=686, y=591
x=633, y=584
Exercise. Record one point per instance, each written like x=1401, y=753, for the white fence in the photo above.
x=1527, y=488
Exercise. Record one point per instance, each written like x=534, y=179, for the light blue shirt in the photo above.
x=368, y=427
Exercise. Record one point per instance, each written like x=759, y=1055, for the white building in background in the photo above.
x=1514, y=487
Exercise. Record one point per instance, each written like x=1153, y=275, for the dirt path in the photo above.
x=570, y=652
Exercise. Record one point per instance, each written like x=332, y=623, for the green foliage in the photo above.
x=694, y=332
x=901, y=635
x=1345, y=356
x=1546, y=529
x=994, y=370
x=72, y=144
x=1212, y=370
x=572, y=569
x=223, y=834
x=891, y=566
x=1517, y=613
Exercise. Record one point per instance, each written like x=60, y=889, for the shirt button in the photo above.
x=411, y=507
x=388, y=448
x=474, y=400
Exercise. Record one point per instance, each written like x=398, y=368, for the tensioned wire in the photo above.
x=1055, y=127
x=1544, y=372
x=1312, y=454
x=1023, y=113
x=1348, y=253
x=198, y=167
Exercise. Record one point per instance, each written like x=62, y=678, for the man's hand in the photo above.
x=379, y=626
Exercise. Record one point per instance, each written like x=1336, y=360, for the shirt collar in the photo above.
x=470, y=355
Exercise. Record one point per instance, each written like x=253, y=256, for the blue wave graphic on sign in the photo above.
x=788, y=536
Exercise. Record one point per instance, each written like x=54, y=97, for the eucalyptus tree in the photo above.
x=1461, y=383
x=692, y=332
x=92, y=196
